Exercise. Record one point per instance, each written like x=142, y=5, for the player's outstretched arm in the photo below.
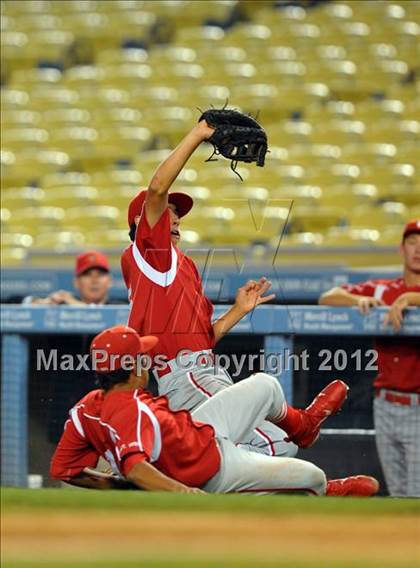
x=395, y=314
x=92, y=479
x=169, y=169
x=340, y=297
x=248, y=297
x=147, y=477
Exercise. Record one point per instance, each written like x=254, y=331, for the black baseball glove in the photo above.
x=237, y=136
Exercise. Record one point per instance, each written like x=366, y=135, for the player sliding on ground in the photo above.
x=157, y=449
x=167, y=299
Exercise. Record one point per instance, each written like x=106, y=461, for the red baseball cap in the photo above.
x=182, y=202
x=412, y=226
x=118, y=347
x=91, y=259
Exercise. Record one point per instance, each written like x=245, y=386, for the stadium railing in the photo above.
x=279, y=325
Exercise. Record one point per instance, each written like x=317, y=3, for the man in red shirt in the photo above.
x=397, y=385
x=92, y=280
x=157, y=449
x=167, y=299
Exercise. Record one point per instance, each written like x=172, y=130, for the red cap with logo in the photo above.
x=117, y=347
x=412, y=226
x=182, y=202
x=91, y=259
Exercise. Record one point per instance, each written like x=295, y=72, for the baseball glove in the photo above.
x=237, y=136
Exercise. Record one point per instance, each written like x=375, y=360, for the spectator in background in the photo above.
x=92, y=280
x=397, y=385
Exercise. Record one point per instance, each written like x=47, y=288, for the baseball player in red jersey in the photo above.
x=157, y=449
x=397, y=385
x=167, y=299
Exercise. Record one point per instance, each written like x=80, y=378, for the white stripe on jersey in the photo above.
x=163, y=279
x=157, y=440
x=379, y=290
x=76, y=420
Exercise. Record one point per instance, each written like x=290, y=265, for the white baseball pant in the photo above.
x=234, y=413
x=189, y=388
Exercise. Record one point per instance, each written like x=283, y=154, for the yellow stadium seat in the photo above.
x=67, y=197
x=93, y=216
x=114, y=238
x=20, y=197
x=409, y=195
x=119, y=56
x=28, y=78
x=122, y=177
x=13, y=256
x=61, y=179
x=59, y=240
x=62, y=117
x=370, y=153
x=304, y=218
x=16, y=240
x=14, y=99
x=35, y=220
x=348, y=236
x=199, y=36
x=46, y=98
x=25, y=138
x=378, y=217
x=20, y=118
x=394, y=133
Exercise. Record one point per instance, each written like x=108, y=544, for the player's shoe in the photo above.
x=354, y=486
x=325, y=404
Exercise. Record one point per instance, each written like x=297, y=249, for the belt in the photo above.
x=201, y=358
x=409, y=399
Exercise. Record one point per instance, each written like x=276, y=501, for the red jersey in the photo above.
x=165, y=292
x=127, y=427
x=82, y=441
x=398, y=357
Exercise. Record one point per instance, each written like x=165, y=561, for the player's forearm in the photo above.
x=338, y=297
x=169, y=169
x=228, y=320
x=413, y=298
x=147, y=477
x=92, y=482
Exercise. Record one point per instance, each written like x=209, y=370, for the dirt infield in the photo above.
x=57, y=537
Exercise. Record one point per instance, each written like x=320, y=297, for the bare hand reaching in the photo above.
x=252, y=294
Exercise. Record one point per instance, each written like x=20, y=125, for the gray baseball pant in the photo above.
x=398, y=444
x=234, y=413
x=188, y=388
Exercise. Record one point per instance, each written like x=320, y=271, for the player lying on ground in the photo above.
x=167, y=299
x=157, y=449
x=396, y=408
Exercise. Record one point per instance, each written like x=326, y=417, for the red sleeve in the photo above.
x=362, y=289
x=125, y=269
x=154, y=244
x=72, y=454
x=135, y=436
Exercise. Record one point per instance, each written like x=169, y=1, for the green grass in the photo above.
x=13, y=500
x=202, y=563
x=35, y=505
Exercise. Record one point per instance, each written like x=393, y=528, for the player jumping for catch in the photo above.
x=167, y=299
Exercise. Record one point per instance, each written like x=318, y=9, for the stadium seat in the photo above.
x=86, y=121
x=59, y=240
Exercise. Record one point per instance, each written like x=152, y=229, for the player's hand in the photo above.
x=42, y=301
x=365, y=303
x=205, y=131
x=186, y=489
x=395, y=314
x=63, y=297
x=252, y=294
